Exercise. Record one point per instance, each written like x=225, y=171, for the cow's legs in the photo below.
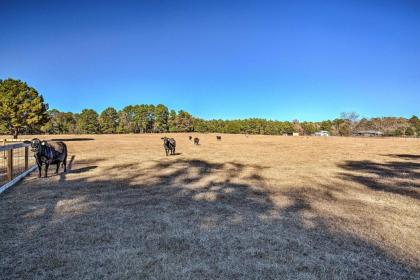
x=46, y=169
x=58, y=166
x=39, y=164
x=65, y=165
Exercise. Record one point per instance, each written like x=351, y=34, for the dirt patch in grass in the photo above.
x=245, y=207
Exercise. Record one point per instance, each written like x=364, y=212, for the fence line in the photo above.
x=17, y=162
x=17, y=179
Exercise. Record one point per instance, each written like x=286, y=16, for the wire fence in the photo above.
x=15, y=160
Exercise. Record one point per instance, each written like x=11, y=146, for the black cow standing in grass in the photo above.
x=196, y=141
x=49, y=153
x=169, y=144
x=219, y=138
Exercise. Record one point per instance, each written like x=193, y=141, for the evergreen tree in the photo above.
x=172, y=122
x=161, y=118
x=87, y=122
x=108, y=120
x=21, y=107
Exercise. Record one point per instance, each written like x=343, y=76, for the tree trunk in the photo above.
x=15, y=133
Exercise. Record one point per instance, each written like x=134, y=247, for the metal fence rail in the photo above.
x=16, y=161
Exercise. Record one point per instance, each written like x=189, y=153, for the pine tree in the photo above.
x=21, y=107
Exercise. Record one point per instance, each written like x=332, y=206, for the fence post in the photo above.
x=4, y=152
x=26, y=157
x=10, y=164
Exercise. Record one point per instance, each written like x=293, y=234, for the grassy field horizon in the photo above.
x=243, y=207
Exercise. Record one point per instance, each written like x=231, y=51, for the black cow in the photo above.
x=190, y=138
x=169, y=144
x=219, y=138
x=49, y=153
x=196, y=141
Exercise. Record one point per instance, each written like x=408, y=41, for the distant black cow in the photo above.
x=219, y=138
x=169, y=144
x=196, y=141
x=49, y=153
x=190, y=138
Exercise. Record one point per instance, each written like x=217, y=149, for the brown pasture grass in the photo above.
x=257, y=207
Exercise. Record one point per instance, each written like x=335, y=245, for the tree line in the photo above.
x=23, y=111
x=158, y=118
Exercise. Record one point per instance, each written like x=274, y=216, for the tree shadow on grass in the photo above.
x=88, y=167
x=404, y=156
x=83, y=169
x=178, y=219
x=72, y=139
x=399, y=177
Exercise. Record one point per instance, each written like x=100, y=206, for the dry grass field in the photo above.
x=257, y=207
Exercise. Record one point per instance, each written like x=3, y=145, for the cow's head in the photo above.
x=167, y=141
x=36, y=144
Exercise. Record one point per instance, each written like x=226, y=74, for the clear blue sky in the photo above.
x=281, y=60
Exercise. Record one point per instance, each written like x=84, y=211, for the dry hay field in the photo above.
x=257, y=207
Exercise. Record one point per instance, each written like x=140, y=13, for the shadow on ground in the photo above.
x=182, y=219
x=404, y=156
x=399, y=177
x=72, y=139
